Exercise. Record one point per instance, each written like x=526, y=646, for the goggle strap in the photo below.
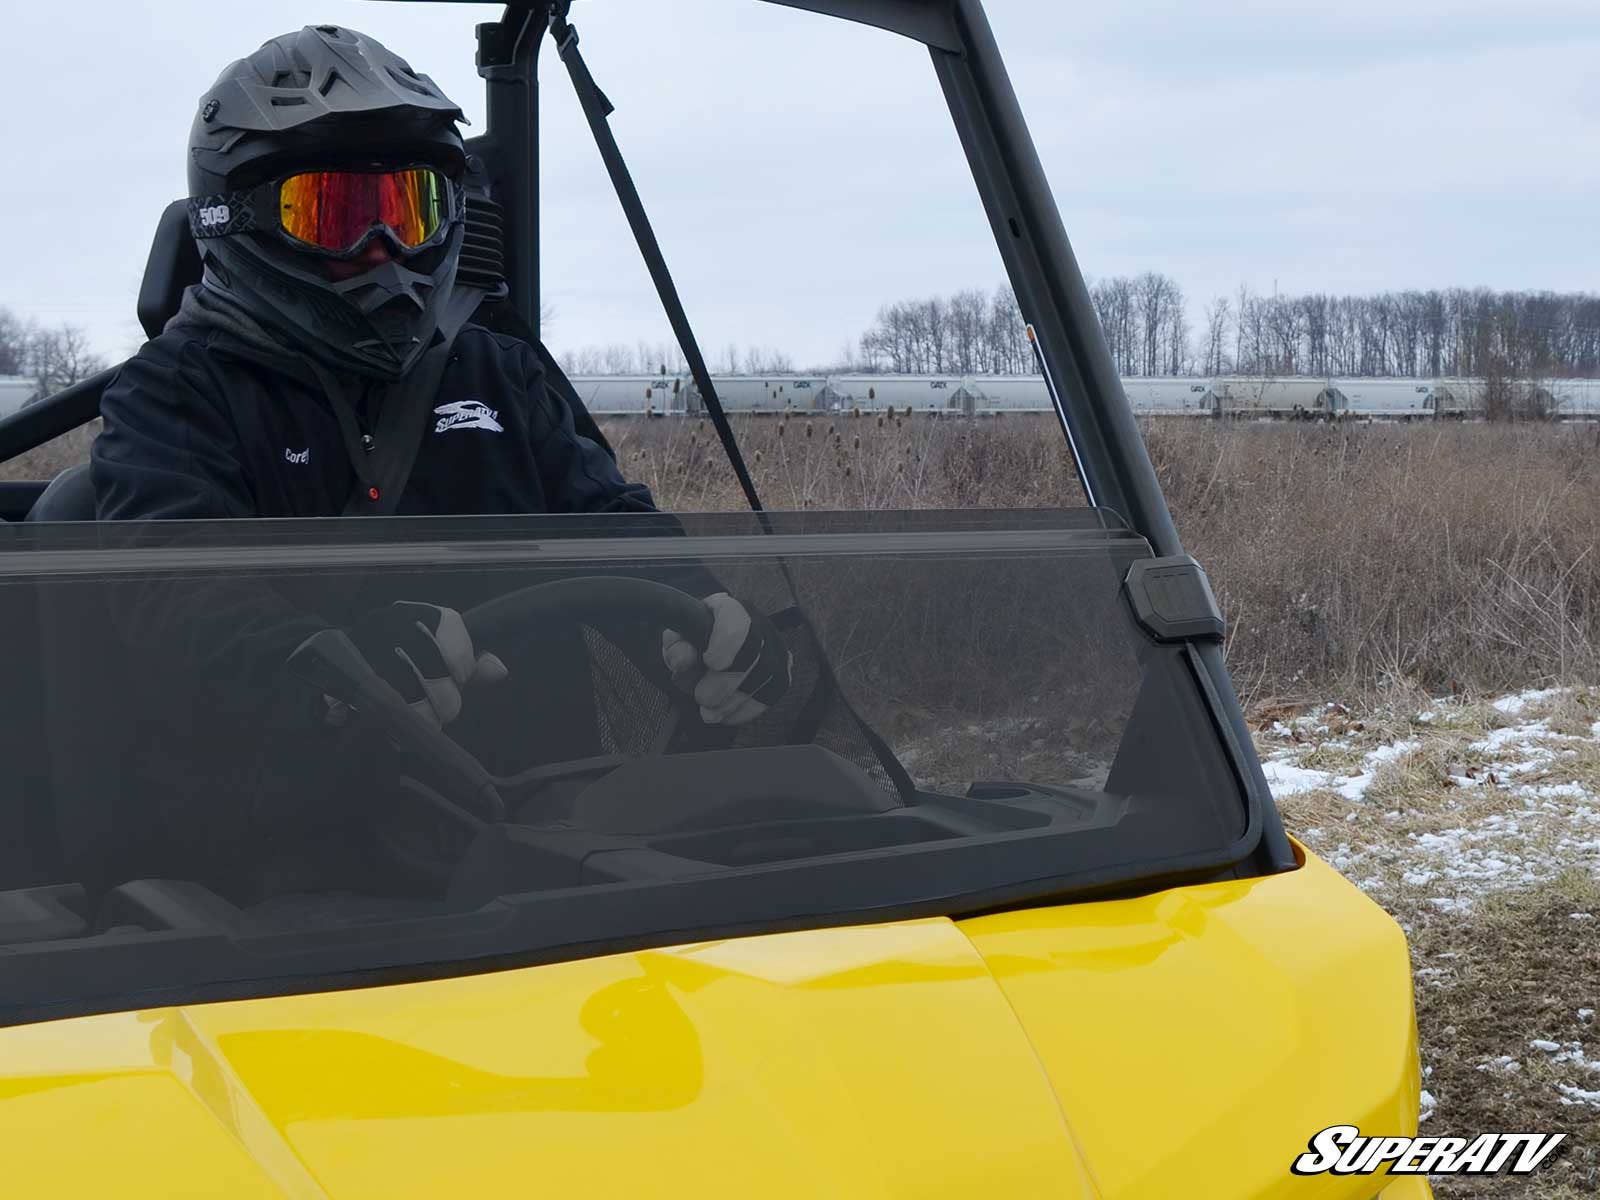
x=219, y=216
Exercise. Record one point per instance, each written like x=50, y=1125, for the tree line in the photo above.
x=665, y=358
x=1472, y=332
x=54, y=357
x=1410, y=334
x=973, y=333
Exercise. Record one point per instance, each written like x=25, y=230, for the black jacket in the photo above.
x=197, y=428
x=200, y=425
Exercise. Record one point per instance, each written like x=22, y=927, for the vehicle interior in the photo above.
x=1074, y=654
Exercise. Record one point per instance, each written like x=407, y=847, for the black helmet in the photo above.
x=324, y=98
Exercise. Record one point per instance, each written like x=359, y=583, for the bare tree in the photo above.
x=1219, y=319
x=968, y=320
x=1010, y=352
x=60, y=357
x=1242, y=361
x=764, y=361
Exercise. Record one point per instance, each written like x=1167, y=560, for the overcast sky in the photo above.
x=802, y=171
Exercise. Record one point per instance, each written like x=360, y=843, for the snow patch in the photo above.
x=1577, y=1095
x=1286, y=779
x=1512, y=705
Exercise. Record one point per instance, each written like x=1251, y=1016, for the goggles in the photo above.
x=336, y=213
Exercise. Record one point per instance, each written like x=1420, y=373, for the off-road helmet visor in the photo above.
x=336, y=213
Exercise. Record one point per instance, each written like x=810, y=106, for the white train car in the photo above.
x=1458, y=398
x=767, y=394
x=1013, y=394
x=631, y=395
x=1575, y=399
x=1305, y=399
x=919, y=393
x=1387, y=399
x=1150, y=396
x=15, y=391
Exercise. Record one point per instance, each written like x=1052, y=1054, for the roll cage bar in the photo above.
x=1096, y=418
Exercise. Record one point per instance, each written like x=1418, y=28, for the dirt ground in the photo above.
x=1477, y=825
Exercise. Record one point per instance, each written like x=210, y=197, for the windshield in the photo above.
x=293, y=750
x=974, y=718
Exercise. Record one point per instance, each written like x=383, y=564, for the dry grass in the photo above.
x=845, y=461
x=1449, y=558
x=1481, y=835
x=1350, y=560
x=49, y=460
x=1519, y=969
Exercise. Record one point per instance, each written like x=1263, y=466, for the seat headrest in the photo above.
x=174, y=265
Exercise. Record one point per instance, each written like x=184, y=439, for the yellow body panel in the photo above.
x=1180, y=1045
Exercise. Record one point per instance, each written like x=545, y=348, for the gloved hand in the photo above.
x=425, y=653
x=746, y=667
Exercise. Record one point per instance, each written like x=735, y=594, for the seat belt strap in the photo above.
x=397, y=436
x=596, y=108
x=384, y=463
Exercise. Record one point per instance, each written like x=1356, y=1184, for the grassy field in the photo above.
x=1477, y=825
x=1349, y=559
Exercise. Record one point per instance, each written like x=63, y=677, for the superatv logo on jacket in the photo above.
x=467, y=414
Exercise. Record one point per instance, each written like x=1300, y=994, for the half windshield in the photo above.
x=974, y=719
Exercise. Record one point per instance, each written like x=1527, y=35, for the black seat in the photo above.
x=174, y=265
x=70, y=497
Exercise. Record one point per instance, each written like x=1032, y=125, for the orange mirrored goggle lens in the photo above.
x=335, y=210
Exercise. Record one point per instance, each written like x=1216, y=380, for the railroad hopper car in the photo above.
x=1458, y=398
x=1014, y=393
x=1386, y=399
x=1305, y=399
x=1473, y=398
x=920, y=393
x=1576, y=399
x=1155, y=396
x=767, y=394
x=632, y=395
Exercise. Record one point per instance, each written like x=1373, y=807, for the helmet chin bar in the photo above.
x=387, y=283
x=392, y=297
x=374, y=324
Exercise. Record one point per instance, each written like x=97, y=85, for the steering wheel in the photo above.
x=331, y=662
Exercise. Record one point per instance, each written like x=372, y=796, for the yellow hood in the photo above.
x=1184, y=1044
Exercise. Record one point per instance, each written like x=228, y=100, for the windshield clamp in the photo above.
x=1172, y=599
